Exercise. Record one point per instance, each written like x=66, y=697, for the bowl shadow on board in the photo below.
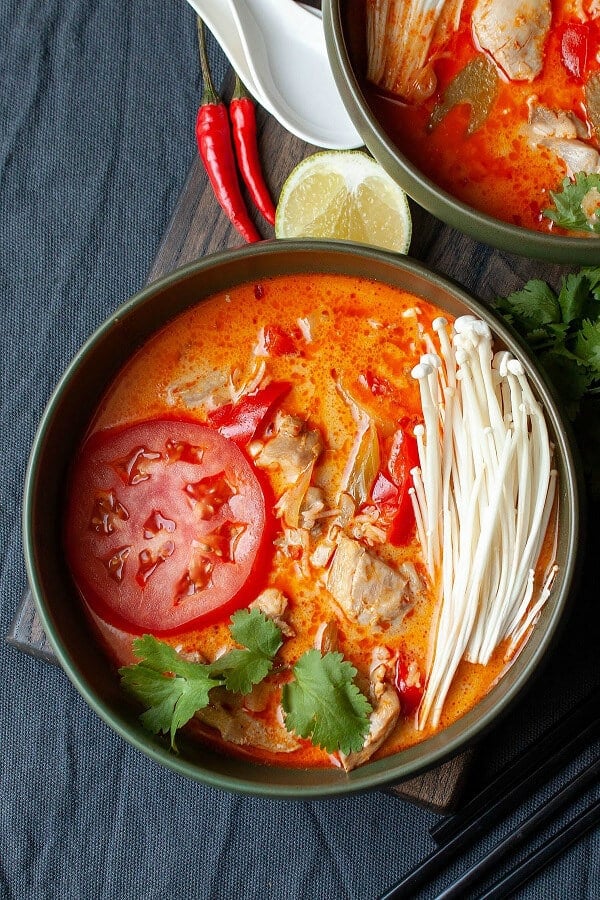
x=345, y=30
x=65, y=422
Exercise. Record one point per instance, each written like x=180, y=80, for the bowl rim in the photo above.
x=437, y=201
x=421, y=757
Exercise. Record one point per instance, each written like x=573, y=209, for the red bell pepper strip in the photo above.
x=242, y=113
x=574, y=48
x=409, y=684
x=390, y=489
x=240, y=421
x=213, y=136
x=279, y=342
x=404, y=456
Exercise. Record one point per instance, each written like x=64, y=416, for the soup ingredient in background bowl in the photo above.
x=345, y=195
x=496, y=101
x=267, y=465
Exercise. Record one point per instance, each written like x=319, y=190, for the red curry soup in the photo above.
x=496, y=101
x=313, y=520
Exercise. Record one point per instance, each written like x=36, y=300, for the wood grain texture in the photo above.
x=198, y=227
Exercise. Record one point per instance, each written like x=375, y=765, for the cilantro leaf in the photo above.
x=252, y=629
x=535, y=306
x=171, y=687
x=592, y=273
x=587, y=347
x=174, y=688
x=574, y=296
x=568, y=211
x=324, y=704
x=242, y=669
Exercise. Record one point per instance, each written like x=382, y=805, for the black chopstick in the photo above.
x=538, y=761
x=525, y=829
x=544, y=854
x=574, y=730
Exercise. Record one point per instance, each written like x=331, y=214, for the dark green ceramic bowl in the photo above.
x=344, y=26
x=65, y=421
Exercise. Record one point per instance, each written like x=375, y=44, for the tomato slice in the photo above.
x=165, y=526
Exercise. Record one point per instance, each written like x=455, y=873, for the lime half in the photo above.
x=344, y=194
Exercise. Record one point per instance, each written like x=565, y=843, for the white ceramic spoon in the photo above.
x=286, y=54
x=218, y=18
x=278, y=49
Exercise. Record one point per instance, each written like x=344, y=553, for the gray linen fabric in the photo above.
x=98, y=100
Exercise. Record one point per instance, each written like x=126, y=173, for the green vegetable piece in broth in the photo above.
x=476, y=85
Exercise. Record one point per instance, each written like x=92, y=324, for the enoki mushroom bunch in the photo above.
x=483, y=495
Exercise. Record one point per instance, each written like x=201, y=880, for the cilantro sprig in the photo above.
x=569, y=211
x=320, y=702
x=323, y=703
x=563, y=330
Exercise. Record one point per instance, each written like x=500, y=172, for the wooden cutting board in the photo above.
x=199, y=227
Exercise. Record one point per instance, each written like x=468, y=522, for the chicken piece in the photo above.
x=327, y=637
x=312, y=508
x=367, y=589
x=514, y=33
x=292, y=449
x=563, y=133
x=273, y=604
x=544, y=123
x=590, y=205
x=238, y=726
x=386, y=709
x=576, y=155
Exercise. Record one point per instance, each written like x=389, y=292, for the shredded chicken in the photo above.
x=386, y=709
x=273, y=604
x=367, y=589
x=292, y=449
x=590, y=205
x=327, y=637
x=239, y=726
x=514, y=33
x=563, y=133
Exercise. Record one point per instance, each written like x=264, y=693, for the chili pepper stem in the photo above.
x=209, y=94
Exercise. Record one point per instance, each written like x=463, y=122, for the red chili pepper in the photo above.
x=242, y=113
x=239, y=421
x=213, y=135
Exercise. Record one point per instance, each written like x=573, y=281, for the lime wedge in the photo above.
x=344, y=194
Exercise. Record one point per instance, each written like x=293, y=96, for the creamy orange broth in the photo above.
x=357, y=326
x=496, y=169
